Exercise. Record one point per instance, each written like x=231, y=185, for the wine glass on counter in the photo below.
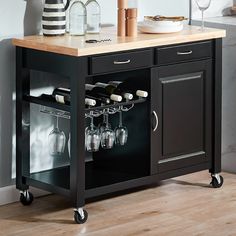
x=57, y=140
x=121, y=132
x=203, y=5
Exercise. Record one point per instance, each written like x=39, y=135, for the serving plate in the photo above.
x=160, y=27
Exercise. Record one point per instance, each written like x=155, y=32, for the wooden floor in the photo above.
x=181, y=206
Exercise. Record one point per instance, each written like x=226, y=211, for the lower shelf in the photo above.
x=58, y=180
x=100, y=182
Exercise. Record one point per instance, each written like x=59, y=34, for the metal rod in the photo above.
x=190, y=12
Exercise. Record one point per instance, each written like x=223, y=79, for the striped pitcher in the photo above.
x=54, y=17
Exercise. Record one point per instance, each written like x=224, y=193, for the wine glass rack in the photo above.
x=50, y=107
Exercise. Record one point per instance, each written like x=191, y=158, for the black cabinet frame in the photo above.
x=76, y=69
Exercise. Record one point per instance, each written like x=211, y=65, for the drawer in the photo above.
x=122, y=61
x=186, y=52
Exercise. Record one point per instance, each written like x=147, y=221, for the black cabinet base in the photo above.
x=57, y=180
x=175, y=131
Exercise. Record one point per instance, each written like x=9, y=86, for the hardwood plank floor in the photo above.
x=180, y=206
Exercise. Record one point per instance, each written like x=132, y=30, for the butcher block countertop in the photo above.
x=76, y=45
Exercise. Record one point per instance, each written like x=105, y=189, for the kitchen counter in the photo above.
x=223, y=20
x=76, y=46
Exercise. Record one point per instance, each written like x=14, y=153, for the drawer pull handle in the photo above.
x=157, y=121
x=185, y=53
x=121, y=62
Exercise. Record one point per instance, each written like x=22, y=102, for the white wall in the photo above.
x=150, y=7
x=23, y=16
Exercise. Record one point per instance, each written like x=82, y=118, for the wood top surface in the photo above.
x=76, y=45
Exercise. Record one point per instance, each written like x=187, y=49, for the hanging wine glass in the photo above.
x=93, y=137
x=57, y=140
x=68, y=145
x=121, y=132
x=203, y=5
x=103, y=125
x=107, y=136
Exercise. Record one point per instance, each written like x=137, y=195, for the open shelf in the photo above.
x=48, y=101
x=58, y=180
x=55, y=180
x=140, y=100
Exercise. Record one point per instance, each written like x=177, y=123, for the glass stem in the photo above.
x=202, y=19
x=92, y=123
x=57, y=123
x=120, y=120
x=104, y=118
x=107, y=124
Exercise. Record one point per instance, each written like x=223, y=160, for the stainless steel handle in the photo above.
x=157, y=121
x=122, y=62
x=185, y=53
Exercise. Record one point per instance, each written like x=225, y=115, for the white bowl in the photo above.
x=163, y=23
x=161, y=27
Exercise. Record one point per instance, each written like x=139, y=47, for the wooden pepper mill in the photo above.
x=121, y=27
x=127, y=19
x=131, y=22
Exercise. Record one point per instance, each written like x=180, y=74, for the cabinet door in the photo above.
x=181, y=105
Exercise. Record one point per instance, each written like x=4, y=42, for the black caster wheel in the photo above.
x=80, y=216
x=217, y=182
x=26, y=198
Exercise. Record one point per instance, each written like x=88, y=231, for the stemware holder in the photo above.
x=93, y=111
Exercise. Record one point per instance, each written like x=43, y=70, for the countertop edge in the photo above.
x=44, y=47
x=107, y=48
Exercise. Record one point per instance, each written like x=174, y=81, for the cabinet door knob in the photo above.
x=185, y=53
x=156, y=121
x=121, y=62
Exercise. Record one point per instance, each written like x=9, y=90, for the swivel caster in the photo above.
x=26, y=197
x=217, y=180
x=80, y=216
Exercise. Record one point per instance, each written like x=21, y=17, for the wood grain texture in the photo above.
x=76, y=46
x=182, y=206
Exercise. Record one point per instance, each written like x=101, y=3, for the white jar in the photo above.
x=77, y=18
x=93, y=17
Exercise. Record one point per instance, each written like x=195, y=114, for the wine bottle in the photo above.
x=100, y=101
x=90, y=102
x=62, y=95
x=129, y=86
x=96, y=91
x=113, y=89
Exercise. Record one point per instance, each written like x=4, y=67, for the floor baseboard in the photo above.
x=10, y=194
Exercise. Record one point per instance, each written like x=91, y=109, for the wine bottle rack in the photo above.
x=47, y=102
x=50, y=107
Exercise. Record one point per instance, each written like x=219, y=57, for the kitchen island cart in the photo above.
x=174, y=131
